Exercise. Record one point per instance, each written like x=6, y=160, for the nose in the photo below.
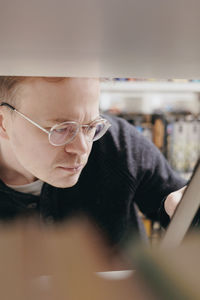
x=79, y=145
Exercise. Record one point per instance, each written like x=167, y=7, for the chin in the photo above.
x=64, y=186
x=64, y=183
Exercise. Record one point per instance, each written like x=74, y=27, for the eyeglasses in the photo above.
x=64, y=133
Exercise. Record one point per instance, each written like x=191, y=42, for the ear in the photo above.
x=3, y=131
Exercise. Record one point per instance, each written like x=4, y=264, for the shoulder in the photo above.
x=120, y=126
x=121, y=133
x=124, y=147
x=123, y=137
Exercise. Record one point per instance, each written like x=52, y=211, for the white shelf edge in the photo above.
x=128, y=86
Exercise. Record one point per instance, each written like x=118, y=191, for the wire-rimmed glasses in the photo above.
x=64, y=133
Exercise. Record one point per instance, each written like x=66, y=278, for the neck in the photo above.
x=11, y=171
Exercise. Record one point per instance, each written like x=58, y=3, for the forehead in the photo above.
x=69, y=97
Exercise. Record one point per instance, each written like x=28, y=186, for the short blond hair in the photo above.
x=9, y=86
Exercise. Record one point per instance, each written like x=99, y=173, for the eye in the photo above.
x=60, y=130
x=92, y=127
x=65, y=129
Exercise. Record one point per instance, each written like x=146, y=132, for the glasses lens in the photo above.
x=63, y=133
x=100, y=129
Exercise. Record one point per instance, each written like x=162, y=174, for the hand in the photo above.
x=172, y=201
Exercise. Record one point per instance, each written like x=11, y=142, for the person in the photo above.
x=60, y=158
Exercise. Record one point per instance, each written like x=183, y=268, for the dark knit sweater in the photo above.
x=123, y=168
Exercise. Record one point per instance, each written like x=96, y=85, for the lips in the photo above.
x=72, y=168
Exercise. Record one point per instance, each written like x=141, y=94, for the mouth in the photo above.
x=72, y=169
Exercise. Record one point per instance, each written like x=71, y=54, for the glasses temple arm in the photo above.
x=26, y=118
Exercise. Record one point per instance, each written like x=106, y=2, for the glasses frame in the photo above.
x=48, y=132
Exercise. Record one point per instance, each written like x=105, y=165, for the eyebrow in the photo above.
x=60, y=120
x=57, y=120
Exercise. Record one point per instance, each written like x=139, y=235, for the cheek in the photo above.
x=31, y=150
x=90, y=148
x=88, y=152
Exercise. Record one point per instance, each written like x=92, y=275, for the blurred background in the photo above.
x=167, y=112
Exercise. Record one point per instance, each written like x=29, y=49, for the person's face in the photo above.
x=48, y=103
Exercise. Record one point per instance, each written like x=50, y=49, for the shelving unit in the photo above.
x=150, y=96
x=143, y=86
x=134, y=99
